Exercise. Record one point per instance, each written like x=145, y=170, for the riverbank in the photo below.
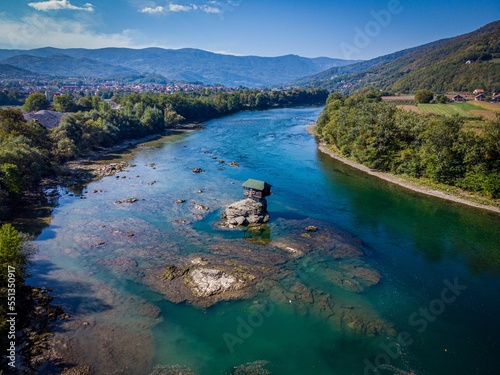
x=82, y=171
x=400, y=181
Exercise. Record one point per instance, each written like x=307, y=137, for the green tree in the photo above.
x=153, y=119
x=64, y=103
x=12, y=123
x=442, y=99
x=36, y=102
x=492, y=135
x=171, y=118
x=424, y=96
x=14, y=252
x=441, y=151
x=10, y=179
x=85, y=103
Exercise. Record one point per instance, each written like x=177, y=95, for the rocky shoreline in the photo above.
x=87, y=169
x=33, y=337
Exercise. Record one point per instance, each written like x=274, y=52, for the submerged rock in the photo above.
x=368, y=275
x=173, y=272
x=252, y=368
x=201, y=207
x=245, y=212
x=209, y=281
x=171, y=370
x=204, y=280
x=128, y=200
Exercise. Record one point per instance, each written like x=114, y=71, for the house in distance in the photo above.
x=256, y=189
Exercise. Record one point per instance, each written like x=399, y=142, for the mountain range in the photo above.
x=462, y=63
x=189, y=65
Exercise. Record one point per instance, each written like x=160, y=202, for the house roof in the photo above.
x=49, y=119
x=255, y=184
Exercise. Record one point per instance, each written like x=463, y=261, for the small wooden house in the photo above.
x=256, y=189
x=480, y=97
x=458, y=99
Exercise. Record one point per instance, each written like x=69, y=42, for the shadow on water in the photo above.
x=75, y=297
x=439, y=229
x=34, y=214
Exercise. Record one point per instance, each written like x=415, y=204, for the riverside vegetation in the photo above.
x=431, y=147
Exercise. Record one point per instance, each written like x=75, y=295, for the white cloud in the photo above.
x=41, y=31
x=181, y=8
x=178, y=8
x=149, y=10
x=208, y=9
x=45, y=6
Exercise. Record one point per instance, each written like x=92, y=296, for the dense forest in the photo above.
x=29, y=151
x=386, y=138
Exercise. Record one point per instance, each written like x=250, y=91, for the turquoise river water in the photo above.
x=439, y=263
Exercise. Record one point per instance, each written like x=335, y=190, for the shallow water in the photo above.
x=418, y=244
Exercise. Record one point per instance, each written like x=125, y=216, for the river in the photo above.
x=438, y=263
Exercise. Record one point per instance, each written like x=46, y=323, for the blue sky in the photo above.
x=357, y=29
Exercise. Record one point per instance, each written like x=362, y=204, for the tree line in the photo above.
x=384, y=137
x=29, y=151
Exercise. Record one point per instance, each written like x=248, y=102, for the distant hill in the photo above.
x=8, y=72
x=190, y=65
x=66, y=66
x=462, y=63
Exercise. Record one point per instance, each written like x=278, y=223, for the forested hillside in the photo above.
x=188, y=65
x=463, y=63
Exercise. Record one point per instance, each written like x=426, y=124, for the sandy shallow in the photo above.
x=400, y=181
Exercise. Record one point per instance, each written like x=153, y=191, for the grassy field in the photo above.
x=409, y=107
x=401, y=98
x=489, y=106
x=461, y=109
x=474, y=113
